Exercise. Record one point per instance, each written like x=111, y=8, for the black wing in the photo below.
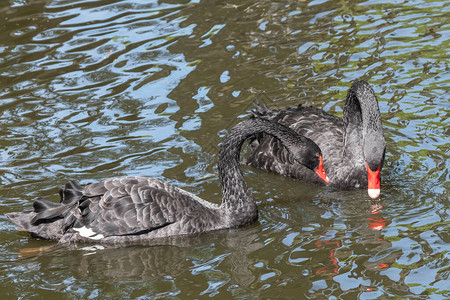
x=125, y=206
x=116, y=206
x=325, y=130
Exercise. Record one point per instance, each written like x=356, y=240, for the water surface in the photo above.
x=96, y=89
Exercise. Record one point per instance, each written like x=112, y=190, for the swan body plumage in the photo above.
x=135, y=209
x=353, y=147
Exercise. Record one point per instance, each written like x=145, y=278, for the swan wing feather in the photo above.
x=324, y=129
x=125, y=206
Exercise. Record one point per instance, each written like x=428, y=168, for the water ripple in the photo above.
x=95, y=89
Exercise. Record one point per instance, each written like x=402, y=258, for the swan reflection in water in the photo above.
x=192, y=254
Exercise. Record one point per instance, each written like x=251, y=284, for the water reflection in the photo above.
x=376, y=220
x=222, y=257
x=91, y=90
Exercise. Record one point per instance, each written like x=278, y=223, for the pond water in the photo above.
x=97, y=89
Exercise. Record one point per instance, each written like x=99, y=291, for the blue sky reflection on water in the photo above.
x=91, y=90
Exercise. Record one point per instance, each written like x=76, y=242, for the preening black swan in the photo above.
x=353, y=147
x=133, y=209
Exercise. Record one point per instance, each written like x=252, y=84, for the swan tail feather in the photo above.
x=71, y=192
x=47, y=211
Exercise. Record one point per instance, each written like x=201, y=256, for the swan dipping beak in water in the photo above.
x=138, y=209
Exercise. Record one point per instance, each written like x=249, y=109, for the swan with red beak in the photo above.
x=353, y=146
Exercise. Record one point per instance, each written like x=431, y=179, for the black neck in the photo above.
x=362, y=118
x=235, y=194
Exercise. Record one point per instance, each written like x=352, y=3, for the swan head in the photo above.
x=374, y=151
x=309, y=154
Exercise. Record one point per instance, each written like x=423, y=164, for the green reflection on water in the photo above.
x=91, y=90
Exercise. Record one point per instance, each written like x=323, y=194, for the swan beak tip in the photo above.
x=373, y=193
x=320, y=171
x=373, y=178
x=322, y=175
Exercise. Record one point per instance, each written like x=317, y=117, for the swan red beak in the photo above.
x=320, y=171
x=374, y=182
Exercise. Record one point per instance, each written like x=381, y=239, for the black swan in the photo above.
x=353, y=147
x=134, y=209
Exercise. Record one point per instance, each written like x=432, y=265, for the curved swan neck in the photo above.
x=361, y=114
x=235, y=194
